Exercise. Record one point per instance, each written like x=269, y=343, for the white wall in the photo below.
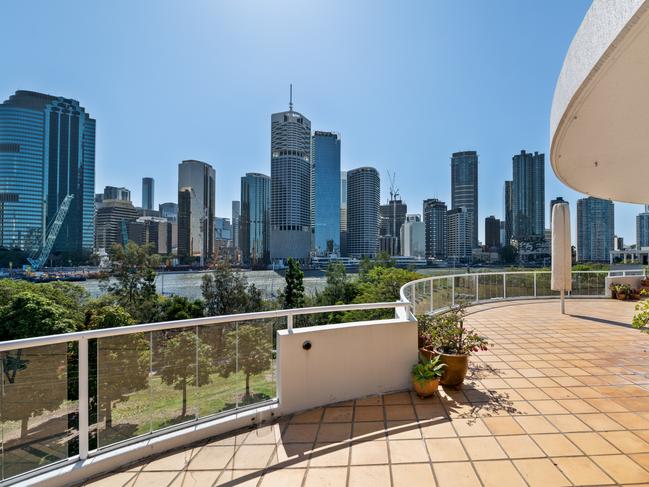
x=346, y=361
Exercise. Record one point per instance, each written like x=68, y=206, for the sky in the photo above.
x=405, y=83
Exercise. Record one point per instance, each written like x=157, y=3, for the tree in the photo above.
x=179, y=355
x=339, y=289
x=226, y=292
x=118, y=365
x=32, y=377
x=294, y=290
x=250, y=348
x=180, y=308
x=509, y=254
x=134, y=272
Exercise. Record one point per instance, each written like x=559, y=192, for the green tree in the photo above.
x=294, y=291
x=339, y=289
x=250, y=349
x=227, y=292
x=180, y=308
x=509, y=254
x=133, y=273
x=179, y=368
x=32, y=377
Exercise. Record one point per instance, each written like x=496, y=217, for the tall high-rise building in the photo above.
x=254, y=222
x=528, y=196
x=392, y=215
x=642, y=230
x=196, y=202
x=508, y=212
x=435, y=221
x=458, y=224
x=325, y=174
x=115, y=193
x=236, y=224
x=553, y=202
x=290, y=172
x=363, y=199
x=169, y=211
x=595, y=229
x=413, y=237
x=492, y=232
x=148, y=192
x=343, y=213
x=464, y=188
x=111, y=221
x=47, y=152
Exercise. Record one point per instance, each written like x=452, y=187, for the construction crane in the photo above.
x=394, y=196
x=52, y=233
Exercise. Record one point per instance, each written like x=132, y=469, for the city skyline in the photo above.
x=435, y=113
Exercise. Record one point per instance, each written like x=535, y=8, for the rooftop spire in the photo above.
x=290, y=102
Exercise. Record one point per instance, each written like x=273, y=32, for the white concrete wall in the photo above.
x=633, y=281
x=346, y=361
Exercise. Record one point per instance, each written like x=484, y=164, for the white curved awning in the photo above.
x=599, y=123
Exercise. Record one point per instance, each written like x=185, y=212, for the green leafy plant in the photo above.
x=447, y=334
x=623, y=289
x=641, y=319
x=426, y=370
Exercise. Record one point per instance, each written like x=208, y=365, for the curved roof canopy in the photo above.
x=600, y=112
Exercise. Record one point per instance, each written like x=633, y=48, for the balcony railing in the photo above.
x=59, y=393
x=439, y=293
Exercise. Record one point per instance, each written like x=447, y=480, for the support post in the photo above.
x=535, y=284
x=563, y=303
x=289, y=323
x=504, y=285
x=82, y=377
x=477, y=288
x=452, y=291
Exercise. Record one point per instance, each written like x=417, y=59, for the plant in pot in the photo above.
x=426, y=375
x=613, y=288
x=623, y=291
x=446, y=336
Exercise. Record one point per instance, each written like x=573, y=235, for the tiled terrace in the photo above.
x=557, y=400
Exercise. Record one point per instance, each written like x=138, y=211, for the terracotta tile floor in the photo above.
x=557, y=400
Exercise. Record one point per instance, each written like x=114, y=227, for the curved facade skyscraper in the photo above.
x=363, y=199
x=290, y=171
x=47, y=151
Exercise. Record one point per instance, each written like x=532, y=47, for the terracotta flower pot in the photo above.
x=427, y=354
x=621, y=296
x=457, y=366
x=426, y=388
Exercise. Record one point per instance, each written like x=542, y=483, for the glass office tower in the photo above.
x=325, y=149
x=528, y=196
x=47, y=151
x=148, y=190
x=254, y=222
x=363, y=199
x=595, y=229
x=464, y=190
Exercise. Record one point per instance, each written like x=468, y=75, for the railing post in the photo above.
x=477, y=288
x=452, y=291
x=534, y=284
x=431, y=295
x=504, y=285
x=82, y=377
x=289, y=322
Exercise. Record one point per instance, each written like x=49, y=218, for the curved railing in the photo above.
x=438, y=293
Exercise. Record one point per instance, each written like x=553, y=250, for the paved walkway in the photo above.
x=557, y=400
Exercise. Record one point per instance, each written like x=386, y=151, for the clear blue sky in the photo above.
x=405, y=83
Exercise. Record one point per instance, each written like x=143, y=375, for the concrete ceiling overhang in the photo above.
x=600, y=112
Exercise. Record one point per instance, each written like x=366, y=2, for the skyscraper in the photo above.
x=435, y=222
x=254, y=222
x=392, y=215
x=413, y=237
x=508, y=212
x=236, y=224
x=492, y=232
x=528, y=196
x=169, y=211
x=47, y=152
x=642, y=230
x=363, y=199
x=325, y=150
x=464, y=189
x=458, y=222
x=196, y=197
x=290, y=172
x=595, y=229
x=343, y=213
x=148, y=191
x=115, y=193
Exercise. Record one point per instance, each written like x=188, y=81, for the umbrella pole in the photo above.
x=563, y=302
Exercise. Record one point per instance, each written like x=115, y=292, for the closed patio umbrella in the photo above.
x=561, y=252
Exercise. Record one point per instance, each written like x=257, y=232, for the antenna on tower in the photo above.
x=290, y=100
x=394, y=191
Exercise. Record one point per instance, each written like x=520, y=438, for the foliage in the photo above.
x=179, y=368
x=250, y=349
x=509, y=254
x=339, y=289
x=623, y=289
x=294, y=291
x=227, y=292
x=180, y=308
x=446, y=333
x=641, y=319
x=426, y=370
x=29, y=315
x=595, y=266
x=133, y=269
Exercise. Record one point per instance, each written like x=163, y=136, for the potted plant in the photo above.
x=613, y=288
x=623, y=291
x=446, y=336
x=426, y=375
